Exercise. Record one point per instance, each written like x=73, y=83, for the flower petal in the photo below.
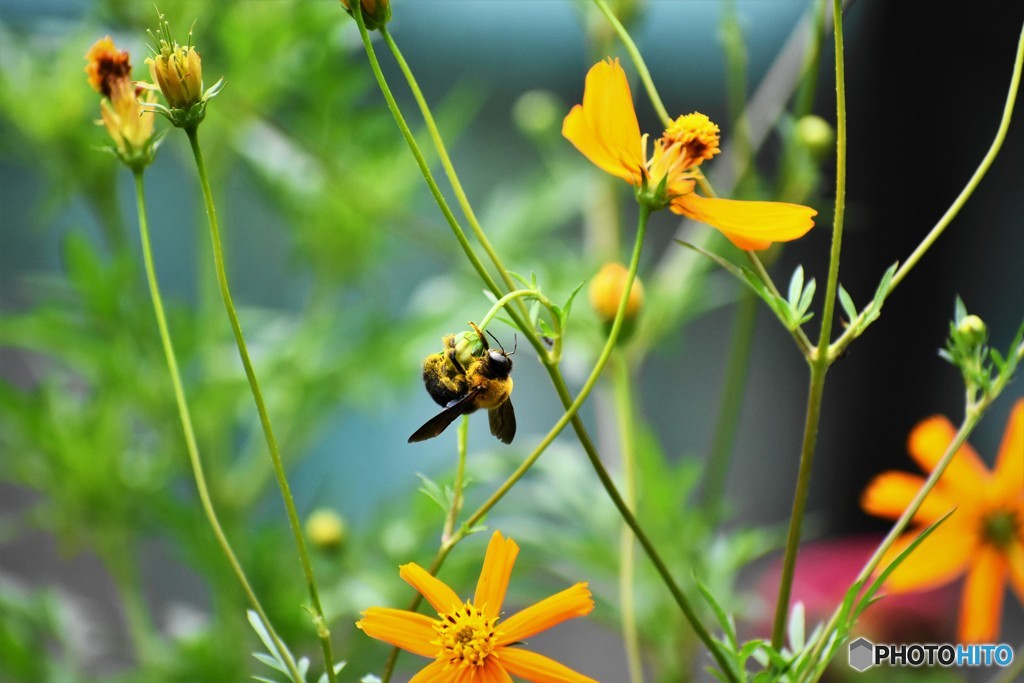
x=748, y=225
x=573, y=602
x=982, y=604
x=939, y=559
x=966, y=478
x=538, y=668
x=497, y=569
x=407, y=630
x=438, y=594
x=889, y=494
x=1009, y=469
x=436, y=672
x=493, y=671
x=605, y=128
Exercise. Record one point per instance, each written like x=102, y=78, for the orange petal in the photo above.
x=889, y=494
x=1015, y=560
x=407, y=630
x=939, y=559
x=538, y=668
x=1009, y=469
x=573, y=602
x=982, y=604
x=748, y=225
x=966, y=478
x=492, y=672
x=438, y=594
x=497, y=569
x=436, y=672
x=604, y=128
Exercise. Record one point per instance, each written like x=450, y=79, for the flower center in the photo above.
x=1001, y=528
x=466, y=636
x=696, y=136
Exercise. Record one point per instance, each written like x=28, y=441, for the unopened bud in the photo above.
x=375, y=12
x=537, y=112
x=326, y=529
x=816, y=134
x=606, y=292
x=972, y=329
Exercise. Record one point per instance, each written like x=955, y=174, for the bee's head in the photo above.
x=499, y=361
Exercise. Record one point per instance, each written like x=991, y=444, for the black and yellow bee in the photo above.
x=466, y=376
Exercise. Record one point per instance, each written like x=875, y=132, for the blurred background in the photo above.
x=347, y=275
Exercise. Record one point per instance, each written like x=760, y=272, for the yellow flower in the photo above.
x=105, y=65
x=983, y=539
x=468, y=641
x=606, y=290
x=129, y=124
x=605, y=130
x=178, y=71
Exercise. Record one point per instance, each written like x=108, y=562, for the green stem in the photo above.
x=820, y=360
x=732, y=400
x=460, y=472
x=638, y=61
x=972, y=416
x=857, y=326
x=446, y=162
x=190, y=438
x=624, y=410
x=275, y=455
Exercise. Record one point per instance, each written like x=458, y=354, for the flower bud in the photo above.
x=537, y=113
x=130, y=126
x=178, y=71
x=816, y=134
x=606, y=291
x=326, y=529
x=375, y=12
x=972, y=329
x=467, y=347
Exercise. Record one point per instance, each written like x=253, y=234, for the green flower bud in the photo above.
x=816, y=134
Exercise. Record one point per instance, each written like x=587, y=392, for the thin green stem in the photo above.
x=191, y=445
x=857, y=326
x=460, y=473
x=724, y=436
x=638, y=61
x=275, y=455
x=446, y=162
x=503, y=301
x=622, y=381
x=820, y=361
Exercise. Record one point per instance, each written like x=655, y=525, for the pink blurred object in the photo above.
x=824, y=572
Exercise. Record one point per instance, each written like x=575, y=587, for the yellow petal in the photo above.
x=497, y=569
x=1009, y=469
x=966, y=478
x=574, y=601
x=492, y=672
x=438, y=594
x=939, y=559
x=748, y=225
x=407, y=630
x=604, y=128
x=889, y=494
x=982, y=603
x=538, y=668
x=436, y=672
x=1015, y=560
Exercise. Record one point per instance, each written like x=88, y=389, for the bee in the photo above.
x=463, y=382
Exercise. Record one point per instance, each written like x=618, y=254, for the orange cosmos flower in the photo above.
x=130, y=125
x=466, y=640
x=983, y=538
x=605, y=130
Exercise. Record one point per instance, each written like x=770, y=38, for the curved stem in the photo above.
x=275, y=455
x=624, y=411
x=460, y=471
x=190, y=437
x=503, y=301
x=638, y=61
x=820, y=361
x=856, y=326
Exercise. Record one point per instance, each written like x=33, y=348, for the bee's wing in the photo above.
x=440, y=422
x=503, y=421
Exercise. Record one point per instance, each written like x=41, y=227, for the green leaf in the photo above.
x=262, y=632
x=567, y=306
x=433, y=491
x=795, y=629
x=846, y=301
x=522, y=280
x=875, y=309
x=724, y=620
x=272, y=662
x=796, y=286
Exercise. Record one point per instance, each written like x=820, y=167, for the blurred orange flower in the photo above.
x=605, y=130
x=983, y=539
x=466, y=640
